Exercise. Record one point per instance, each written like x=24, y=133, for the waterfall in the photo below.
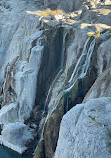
x=67, y=103
x=63, y=50
x=88, y=57
x=79, y=60
x=82, y=65
x=79, y=71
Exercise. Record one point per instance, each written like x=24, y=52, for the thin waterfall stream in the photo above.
x=80, y=69
x=82, y=65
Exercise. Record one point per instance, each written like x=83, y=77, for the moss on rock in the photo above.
x=52, y=129
x=40, y=150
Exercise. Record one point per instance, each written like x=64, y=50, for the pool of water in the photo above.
x=8, y=153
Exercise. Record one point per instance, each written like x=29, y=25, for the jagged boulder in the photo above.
x=85, y=131
x=15, y=136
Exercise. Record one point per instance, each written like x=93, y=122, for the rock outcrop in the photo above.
x=20, y=61
x=49, y=63
x=85, y=131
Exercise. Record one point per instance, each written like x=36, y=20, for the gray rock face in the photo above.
x=9, y=113
x=42, y=56
x=19, y=66
x=101, y=87
x=85, y=131
x=66, y=5
x=104, y=56
x=73, y=5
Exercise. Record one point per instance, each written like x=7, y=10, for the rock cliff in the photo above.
x=85, y=130
x=51, y=60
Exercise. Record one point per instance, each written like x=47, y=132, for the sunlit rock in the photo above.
x=85, y=131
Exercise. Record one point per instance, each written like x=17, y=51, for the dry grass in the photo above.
x=44, y=13
x=47, y=12
x=52, y=12
x=95, y=34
